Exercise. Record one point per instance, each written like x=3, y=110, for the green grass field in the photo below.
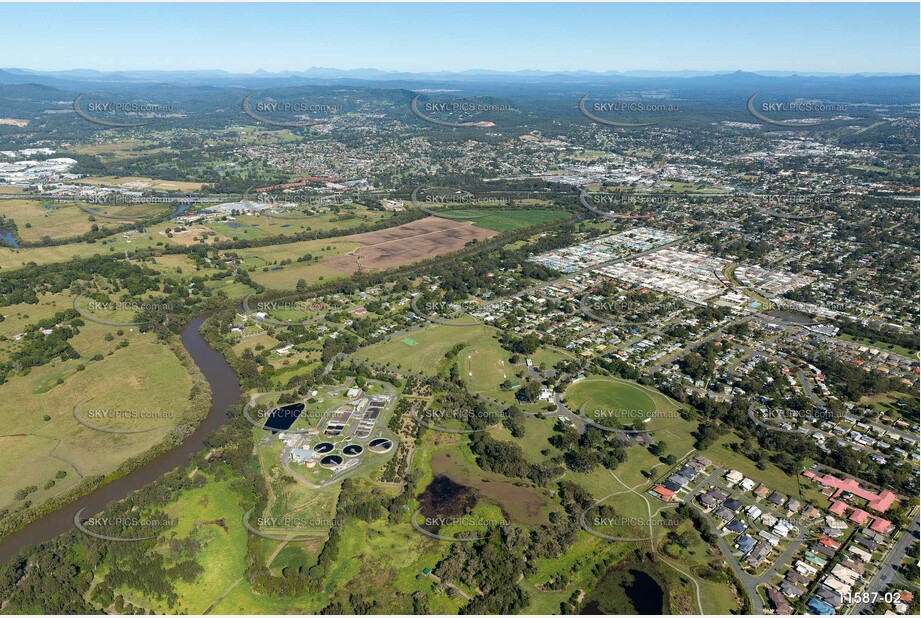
x=266, y=269
x=432, y=343
x=505, y=220
x=483, y=364
x=41, y=435
x=36, y=219
x=252, y=227
x=610, y=402
x=200, y=514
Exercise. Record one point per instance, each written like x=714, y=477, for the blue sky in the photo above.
x=871, y=37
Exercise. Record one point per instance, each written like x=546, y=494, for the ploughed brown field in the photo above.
x=408, y=243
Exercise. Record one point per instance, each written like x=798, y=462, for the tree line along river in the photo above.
x=225, y=391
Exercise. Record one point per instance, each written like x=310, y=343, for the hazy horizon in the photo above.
x=471, y=70
x=844, y=38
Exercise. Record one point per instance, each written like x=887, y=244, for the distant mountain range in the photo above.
x=717, y=88
x=202, y=77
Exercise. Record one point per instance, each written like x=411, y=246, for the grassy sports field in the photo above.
x=432, y=343
x=610, y=402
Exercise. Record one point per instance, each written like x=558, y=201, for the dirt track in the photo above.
x=408, y=243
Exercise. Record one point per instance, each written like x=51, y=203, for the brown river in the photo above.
x=225, y=391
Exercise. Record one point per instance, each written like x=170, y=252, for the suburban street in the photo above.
x=888, y=572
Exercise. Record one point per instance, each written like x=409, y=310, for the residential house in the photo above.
x=780, y=604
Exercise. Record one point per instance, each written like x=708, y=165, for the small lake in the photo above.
x=645, y=593
x=443, y=497
x=8, y=238
x=283, y=417
x=642, y=590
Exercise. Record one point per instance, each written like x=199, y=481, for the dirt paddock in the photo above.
x=405, y=244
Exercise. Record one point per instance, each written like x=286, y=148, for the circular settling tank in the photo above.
x=331, y=461
x=380, y=445
x=352, y=450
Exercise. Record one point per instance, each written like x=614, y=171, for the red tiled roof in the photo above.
x=859, y=516
x=881, y=525
x=666, y=493
x=877, y=501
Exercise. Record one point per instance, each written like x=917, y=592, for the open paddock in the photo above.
x=405, y=244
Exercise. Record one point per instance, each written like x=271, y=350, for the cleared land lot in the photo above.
x=265, y=267
x=138, y=182
x=408, y=243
